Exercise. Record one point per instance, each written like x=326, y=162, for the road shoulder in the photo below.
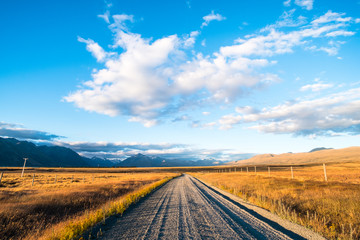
x=293, y=227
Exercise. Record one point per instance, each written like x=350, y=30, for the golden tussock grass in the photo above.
x=330, y=208
x=30, y=210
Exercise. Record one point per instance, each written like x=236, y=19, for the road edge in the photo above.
x=294, y=227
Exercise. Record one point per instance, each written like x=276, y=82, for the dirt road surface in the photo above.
x=186, y=208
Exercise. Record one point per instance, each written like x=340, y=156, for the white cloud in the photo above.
x=105, y=16
x=151, y=79
x=198, y=124
x=245, y=110
x=97, y=51
x=340, y=33
x=287, y=19
x=277, y=42
x=316, y=87
x=332, y=51
x=287, y=3
x=331, y=17
x=145, y=122
x=120, y=21
x=334, y=113
x=226, y=122
x=122, y=150
x=203, y=43
x=184, y=117
x=133, y=83
x=224, y=78
x=307, y=4
x=209, y=125
x=212, y=17
x=189, y=40
x=206, y=113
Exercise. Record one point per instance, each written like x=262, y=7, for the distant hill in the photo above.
x=12, y=152
x=351, y=154
x=141, y=160
x=100, y=162
x=319, y=149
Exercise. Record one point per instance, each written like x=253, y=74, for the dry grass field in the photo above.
x=331, y=208
x=38, y=209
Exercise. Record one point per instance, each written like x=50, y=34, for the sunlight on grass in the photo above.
x=28, y=209
x=331, y=208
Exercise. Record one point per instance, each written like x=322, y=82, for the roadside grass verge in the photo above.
x=31, y=211
x=329, y=208
x=75, y=227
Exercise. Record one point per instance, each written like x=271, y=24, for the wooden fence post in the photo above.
x=247, y=169
x=72, y=178
x=325, y=176
x=292, y=172
x=1, y=176
x=255, y=169
x=269, y=171
x=84, y=179
x=22, y=173
x=55, y=179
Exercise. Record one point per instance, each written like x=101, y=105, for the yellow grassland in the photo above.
x=66, y=199
x=330, y=208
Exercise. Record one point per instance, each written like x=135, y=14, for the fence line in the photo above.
x=259, y=169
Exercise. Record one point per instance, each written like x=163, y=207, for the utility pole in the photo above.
x=22, y=173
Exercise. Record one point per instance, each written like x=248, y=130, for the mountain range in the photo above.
x=140, y=160
x=13, y=152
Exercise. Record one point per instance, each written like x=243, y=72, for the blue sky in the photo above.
x=181, y=79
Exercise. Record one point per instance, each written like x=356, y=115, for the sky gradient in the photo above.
x=181, y=79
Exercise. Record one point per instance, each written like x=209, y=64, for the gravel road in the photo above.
x=186, y=208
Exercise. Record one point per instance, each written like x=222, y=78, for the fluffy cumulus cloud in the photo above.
x=334, y=114
x=153, y=80
x=17, y=131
